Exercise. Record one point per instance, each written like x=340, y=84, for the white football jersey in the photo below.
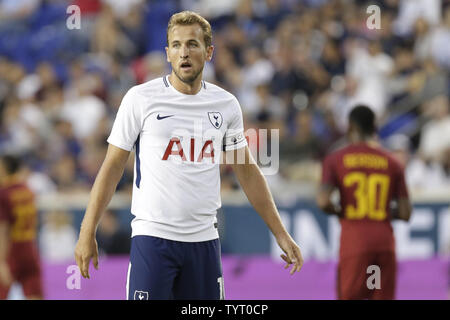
x=178, y=140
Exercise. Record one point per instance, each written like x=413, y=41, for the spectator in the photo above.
x=154, y=66
x=64, y=172
x=271, y=112
x=57, y=237
x=331, y=59
x=411, y=10
x=65, y=140
x=122, y=8
x=421, y=174
x=86, y=110
x=39, y=182
x=400, y=147
x=423, y=38
x=371, y=69
x=425, y=175
x=435, y=137
x=20, y=137
x=440, y=42
x=13, y=10
x=301, y=151
x=30, y=112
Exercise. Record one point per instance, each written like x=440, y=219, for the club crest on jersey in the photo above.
x=216, y=119
x=140, y=295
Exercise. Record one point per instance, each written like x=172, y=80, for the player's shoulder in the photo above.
x=390, y=157
x=380, y=151
x=218, y=92
x=338, y=149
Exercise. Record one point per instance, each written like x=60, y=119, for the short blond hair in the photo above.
x=186, y=18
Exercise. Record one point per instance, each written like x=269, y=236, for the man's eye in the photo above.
x=194, y=45
x=176, y=45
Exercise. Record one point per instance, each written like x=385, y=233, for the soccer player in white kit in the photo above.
x=178, y=125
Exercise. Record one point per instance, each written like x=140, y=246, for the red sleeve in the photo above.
x=400, y=189
x=328, y=172
x=5, y=214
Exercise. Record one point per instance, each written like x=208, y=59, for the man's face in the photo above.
x=187, y=52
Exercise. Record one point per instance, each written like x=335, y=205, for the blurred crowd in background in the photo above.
x=295, y=65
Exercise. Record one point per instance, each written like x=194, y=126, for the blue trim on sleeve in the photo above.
x=138, y=164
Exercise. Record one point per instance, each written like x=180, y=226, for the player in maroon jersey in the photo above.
x=372, y=190
x=19, y=259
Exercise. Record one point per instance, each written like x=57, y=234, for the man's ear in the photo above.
x=167, y=54
x=209, y=52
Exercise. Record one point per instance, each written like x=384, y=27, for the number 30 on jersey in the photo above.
x=371, y=195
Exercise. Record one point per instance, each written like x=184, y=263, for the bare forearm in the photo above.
x=101, y=194
x=103, y=189
x=258, y=193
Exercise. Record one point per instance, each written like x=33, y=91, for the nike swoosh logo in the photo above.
x=160, y=118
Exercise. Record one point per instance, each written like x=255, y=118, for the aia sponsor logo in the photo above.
x=174, y=148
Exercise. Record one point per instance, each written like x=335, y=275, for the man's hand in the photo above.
x=292, y=253
x=5, y=275
x=85, y=250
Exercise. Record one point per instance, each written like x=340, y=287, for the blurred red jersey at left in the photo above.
x=19, y=257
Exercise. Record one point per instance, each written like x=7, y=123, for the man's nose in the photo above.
x=184, y=52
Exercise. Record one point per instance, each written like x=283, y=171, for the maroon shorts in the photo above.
x=353, y=276
x=25, y=267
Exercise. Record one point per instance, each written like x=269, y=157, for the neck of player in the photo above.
x=186, y=87
x=369, y=140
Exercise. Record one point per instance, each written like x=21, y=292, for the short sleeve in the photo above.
x=128, y=123
x=234, y=137
x=328, y=173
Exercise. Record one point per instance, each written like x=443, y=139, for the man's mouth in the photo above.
x=186, y=66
